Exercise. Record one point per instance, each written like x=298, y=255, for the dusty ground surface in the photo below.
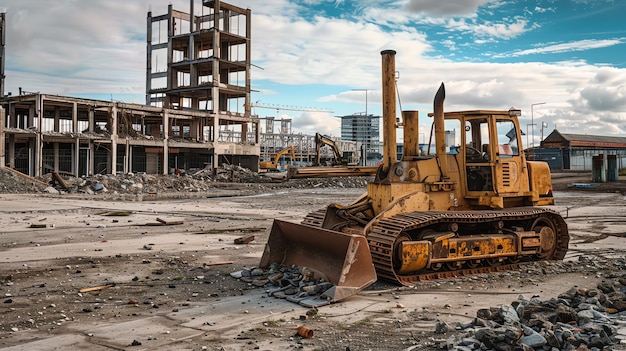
x=168, y=287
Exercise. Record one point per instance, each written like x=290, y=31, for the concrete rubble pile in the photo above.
x=296, y=284
x=202, y=181
x=11, y=183
x=238, y=174
x=579, y=319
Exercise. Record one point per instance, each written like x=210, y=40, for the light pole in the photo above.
x=532, y=120
x=527, y=133
x=544, y=125
x=366, y=127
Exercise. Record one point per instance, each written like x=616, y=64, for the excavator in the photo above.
x=476, y=205
x=265, y=166
x=321, y=141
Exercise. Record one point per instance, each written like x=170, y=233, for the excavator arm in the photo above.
x=273, y=164
x=320, y=141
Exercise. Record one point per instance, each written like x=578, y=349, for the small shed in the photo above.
x=576, y=151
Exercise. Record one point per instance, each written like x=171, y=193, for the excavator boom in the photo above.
x=266, y=165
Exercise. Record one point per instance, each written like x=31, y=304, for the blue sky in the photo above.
x=320, y=55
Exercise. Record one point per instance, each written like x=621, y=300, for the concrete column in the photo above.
x=12, y=151
x=127, y=158
x=77, y=142
x=248, y=108
x=166, y=135
x=55, y=150
x=57, y=118
x=32, y=111
x=92, y=159
x=148, y=56
x=92, y=119
x=244, y=132
x=38, y=150
x=12, y=117
x=114, y=139
x=2, y=137
x=215, y=96
x=191, y=54
x=77, y=157
x=75, y=118
x=194, y=129
x=170, y=34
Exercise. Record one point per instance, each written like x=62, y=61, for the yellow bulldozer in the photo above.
x=471, y=207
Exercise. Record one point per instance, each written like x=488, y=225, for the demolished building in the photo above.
x=197, y=111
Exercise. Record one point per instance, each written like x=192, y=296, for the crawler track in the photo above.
x=385, y=232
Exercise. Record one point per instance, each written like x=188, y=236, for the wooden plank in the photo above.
x=244, y=240
x=169, y=221
x=96, y=288
x=217, y=263
x=57, y=178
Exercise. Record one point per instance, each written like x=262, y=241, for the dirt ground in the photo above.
x=168, y=287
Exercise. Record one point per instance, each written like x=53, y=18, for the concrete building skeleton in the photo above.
x=191, y=120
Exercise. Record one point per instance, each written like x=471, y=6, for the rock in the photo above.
x=441, y=327
x=587, y=316
x=487, y=335
x=606, y=287
x=509, y=314
x=565, y=314
x=51, y=190
x=484, y=313
x=577, y=320
x=532, y=338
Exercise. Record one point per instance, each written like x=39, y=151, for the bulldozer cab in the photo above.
x=489, y=153
x=492, y=154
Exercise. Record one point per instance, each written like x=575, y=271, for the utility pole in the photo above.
x=532, y=120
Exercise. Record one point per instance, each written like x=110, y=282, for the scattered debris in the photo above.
x=305, y=332
x=210, y=264
x=239, y=230
x=96, y=288
x=116, y=213
x=583, y=185
x=166, y=221
x=296, y=284
x=244, y=240
x=38, y=225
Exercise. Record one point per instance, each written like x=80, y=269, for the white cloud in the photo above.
x=316, y=122
x=446, y=8
x=581, y=45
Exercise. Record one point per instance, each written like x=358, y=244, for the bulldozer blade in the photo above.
x=342, y=259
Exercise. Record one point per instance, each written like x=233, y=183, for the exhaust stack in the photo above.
x=390, y=154
x=440, y=131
